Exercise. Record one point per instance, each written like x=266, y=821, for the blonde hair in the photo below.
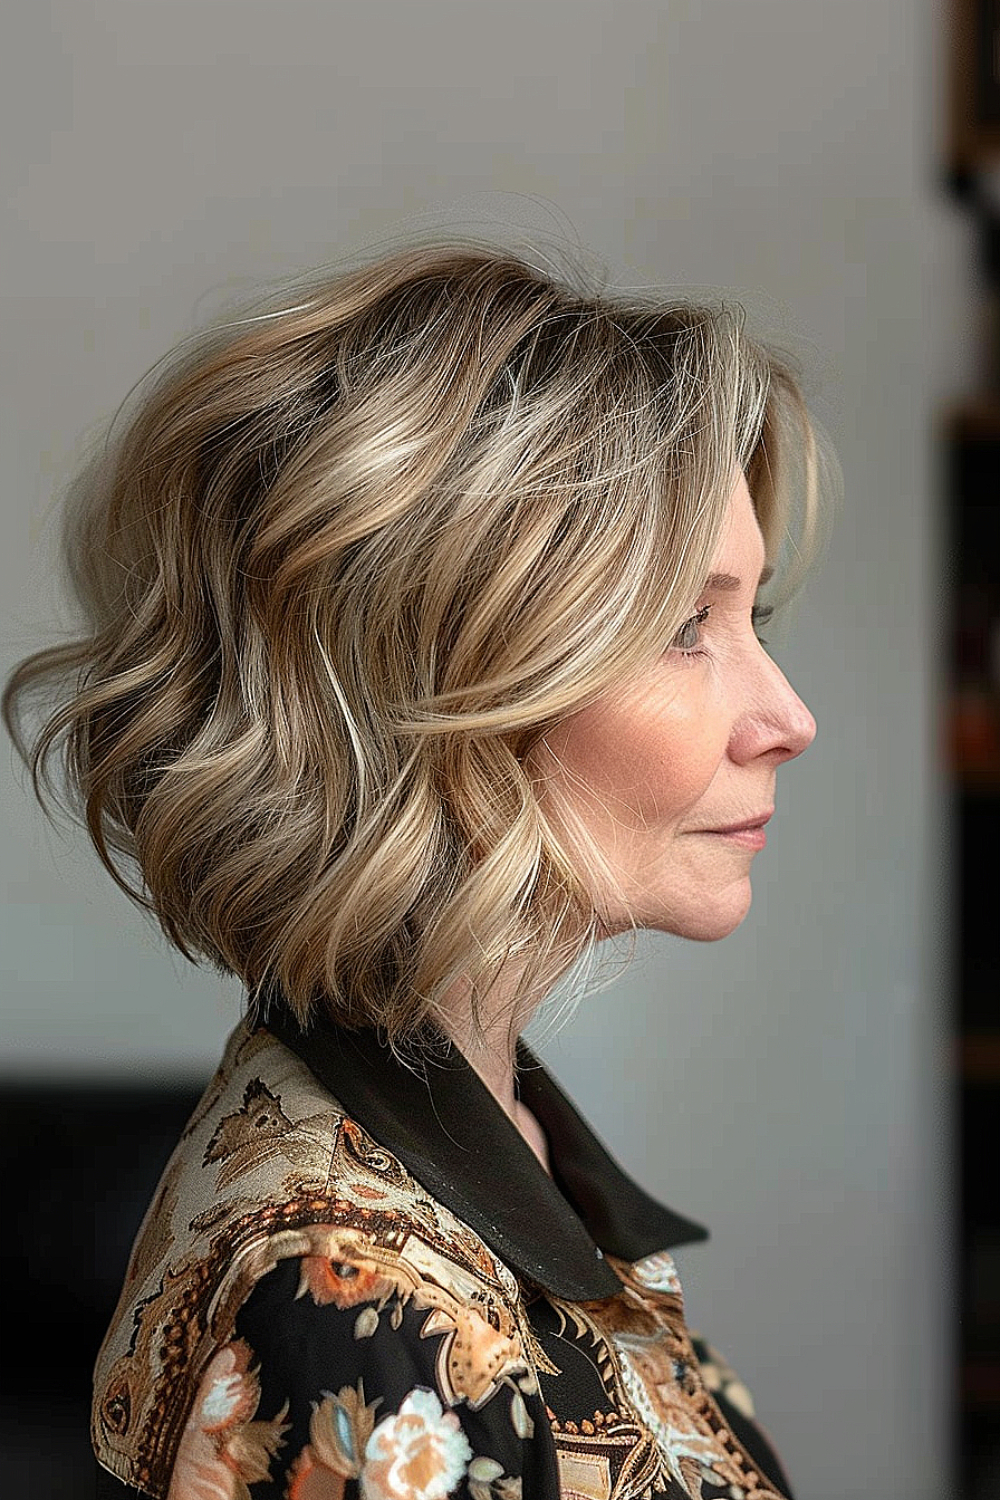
x=347, y=563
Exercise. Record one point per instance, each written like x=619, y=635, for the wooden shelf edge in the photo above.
x=973, y=417
x=978, y=1056
x=980, y=1388
x=977, y=784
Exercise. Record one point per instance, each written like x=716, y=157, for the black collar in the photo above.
x=453, y=1136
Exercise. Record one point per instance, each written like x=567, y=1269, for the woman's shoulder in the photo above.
x=271, y=1183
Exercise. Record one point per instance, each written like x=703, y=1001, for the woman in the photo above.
x=424, y=658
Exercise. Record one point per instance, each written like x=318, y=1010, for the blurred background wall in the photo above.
x=788, y=1087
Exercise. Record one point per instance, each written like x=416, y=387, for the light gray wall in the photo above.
x=787, y=1086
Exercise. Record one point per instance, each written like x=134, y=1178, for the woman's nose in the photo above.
x=776, y=721
x=801, y=724
x=794, y=725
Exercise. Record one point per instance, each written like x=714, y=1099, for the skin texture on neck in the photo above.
x=491, y=1060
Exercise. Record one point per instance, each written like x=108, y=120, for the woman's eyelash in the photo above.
x=759, y=615
x=681, y=640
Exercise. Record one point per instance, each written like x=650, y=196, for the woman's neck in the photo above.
x=499, y=1079
x=490, y=1060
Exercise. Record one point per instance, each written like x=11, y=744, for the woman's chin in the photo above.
x=712, y=920
x=703, y=920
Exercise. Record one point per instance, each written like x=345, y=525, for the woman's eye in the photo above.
x=689, y=635
x=688, y=638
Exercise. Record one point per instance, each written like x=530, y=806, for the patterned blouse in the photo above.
x=356, y=1279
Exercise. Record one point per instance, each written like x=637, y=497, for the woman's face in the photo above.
x=658, y=770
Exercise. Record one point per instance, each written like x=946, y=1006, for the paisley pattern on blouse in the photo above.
x=301, y=1320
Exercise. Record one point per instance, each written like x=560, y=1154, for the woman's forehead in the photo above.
x=741, y=550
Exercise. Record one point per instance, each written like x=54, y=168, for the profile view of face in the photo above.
x=658, y=771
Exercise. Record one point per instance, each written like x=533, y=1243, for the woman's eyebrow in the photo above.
x=728, y=583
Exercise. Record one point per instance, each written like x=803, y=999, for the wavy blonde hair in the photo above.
x=347, y=563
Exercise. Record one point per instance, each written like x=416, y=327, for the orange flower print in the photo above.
x=222, y=1450
x=345, y=1283
x=421, y=1453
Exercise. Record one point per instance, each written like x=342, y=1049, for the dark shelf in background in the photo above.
x=981, y=1384
x=978, y=1056
x=970, y=431
x=983, y=782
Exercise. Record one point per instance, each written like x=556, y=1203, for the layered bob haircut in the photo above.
x=347, y=562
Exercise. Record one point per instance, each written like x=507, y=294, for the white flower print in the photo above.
x=420, y=1453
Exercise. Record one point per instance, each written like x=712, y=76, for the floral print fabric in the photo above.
x=387, y=1436
x=302, y=1320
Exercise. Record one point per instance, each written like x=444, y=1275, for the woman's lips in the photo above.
x=749, y=834
x=750, y=838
